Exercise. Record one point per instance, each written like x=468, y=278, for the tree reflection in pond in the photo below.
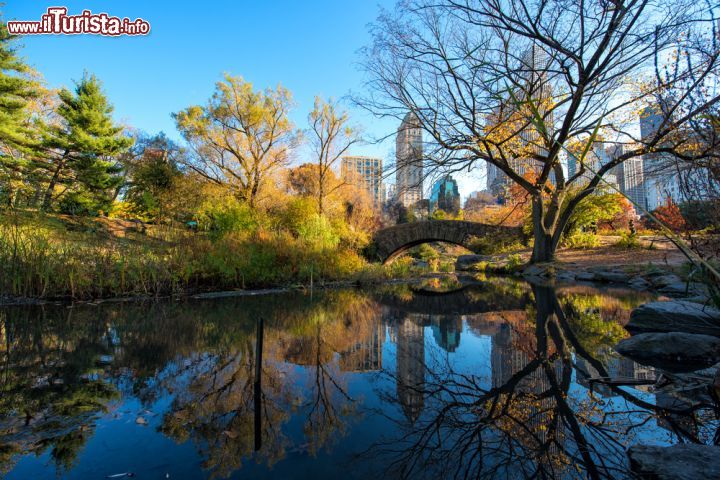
x=530, y=419
x=486, y=380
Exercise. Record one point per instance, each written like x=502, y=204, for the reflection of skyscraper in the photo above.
x=618, y=368
x=506, y=359
x=411, y=367
x=409, y=158
x=446, y=331
x=366, y=355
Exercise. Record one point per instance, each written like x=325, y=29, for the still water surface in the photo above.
x=489, y=381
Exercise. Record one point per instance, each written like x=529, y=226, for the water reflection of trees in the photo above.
x=62, y=368
x=529, y=420
x=50, y=393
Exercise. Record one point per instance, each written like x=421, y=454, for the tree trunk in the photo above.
x=321, y=194
x=545, y=242
x=47, y=201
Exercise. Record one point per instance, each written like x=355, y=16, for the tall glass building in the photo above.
x=445, y=195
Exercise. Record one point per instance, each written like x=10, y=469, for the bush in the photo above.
x=77, y=203
x=628, y=240
x=224, y=215
x=493, y=245
x=318, y=232
x=581, y=240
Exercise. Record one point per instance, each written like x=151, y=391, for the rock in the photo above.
x=675, y=316
x=585, y=276
x=685, y=461
x=421, y=264
x=675, y=289
x=639, y=283
x=675, y=351
x=614, y=277
x=536, y=271
x=665, y=280
x=565, y=276
x=467, y=262
x=141, y=421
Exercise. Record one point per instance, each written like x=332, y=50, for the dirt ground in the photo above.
x=662, y=253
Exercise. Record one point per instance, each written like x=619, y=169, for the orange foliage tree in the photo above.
x=670, y=215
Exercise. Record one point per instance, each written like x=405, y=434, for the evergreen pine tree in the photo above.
x=18, y=139
x=85, y=146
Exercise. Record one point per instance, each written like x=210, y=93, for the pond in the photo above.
x=438, y=380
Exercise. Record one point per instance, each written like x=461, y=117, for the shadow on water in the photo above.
x=501, y=379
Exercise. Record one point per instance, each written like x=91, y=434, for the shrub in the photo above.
x=493, y=245
x=581, y=240
x=628, y=240
x=226, y=214
x=76, y=203
x=671, y=216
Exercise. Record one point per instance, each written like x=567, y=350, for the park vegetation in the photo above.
x=93, y=208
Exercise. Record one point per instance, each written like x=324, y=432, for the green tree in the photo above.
x=593, y=210
x=84, y=147
x=154, y=173
x=17, y=136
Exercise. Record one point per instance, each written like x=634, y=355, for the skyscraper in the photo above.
x=409, y=158
x=660, y=182
x=629, y=175
x=532, y=74
x=365, y=173
x=597, y=157
x=445, y=195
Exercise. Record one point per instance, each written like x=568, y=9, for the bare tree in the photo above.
x=331, y=137
x=240, y=137
x=514, y=83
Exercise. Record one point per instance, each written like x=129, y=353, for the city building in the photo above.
x=532, y=73
x=665, y=175
x=390, y=192
x=409, y=162
x=365, y=173
x=597, y=157
x=629, y=176
x=445, y=195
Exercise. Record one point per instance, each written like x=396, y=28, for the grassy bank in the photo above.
x=50, y=256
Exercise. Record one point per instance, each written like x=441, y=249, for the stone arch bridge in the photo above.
x=389, y=243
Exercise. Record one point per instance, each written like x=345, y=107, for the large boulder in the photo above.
x=661, y=281
x=675, y=316
x=675, y=351
x=685, y=461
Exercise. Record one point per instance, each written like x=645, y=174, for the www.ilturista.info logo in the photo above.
x=57, y=22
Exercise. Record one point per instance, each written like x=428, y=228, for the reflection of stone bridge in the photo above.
x=464, y=301
x=391, y=242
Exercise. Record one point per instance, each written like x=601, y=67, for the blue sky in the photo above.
x=310, y=47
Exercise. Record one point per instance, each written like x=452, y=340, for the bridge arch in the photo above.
x=391, y=242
